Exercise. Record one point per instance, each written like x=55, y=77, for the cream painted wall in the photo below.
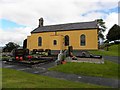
x=74, y=38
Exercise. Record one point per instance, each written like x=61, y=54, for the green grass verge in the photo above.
x=0, y=78
x=20, y=79
x=108, y=69
x=113, y=51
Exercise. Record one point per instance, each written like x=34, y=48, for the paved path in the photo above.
x=85, y=79
x=43, y=70
x=112, y=58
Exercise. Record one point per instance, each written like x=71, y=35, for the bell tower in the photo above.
x=41, y=22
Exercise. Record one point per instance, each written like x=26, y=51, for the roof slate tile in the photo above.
x=65, y=27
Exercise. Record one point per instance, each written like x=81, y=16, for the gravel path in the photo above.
x=43, y=70
x=112, y=58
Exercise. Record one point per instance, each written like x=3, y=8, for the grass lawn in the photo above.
x=0, y=78
x=108, y=69
x=113, y=51
x=19, y=79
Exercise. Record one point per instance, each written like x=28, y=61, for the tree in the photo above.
x=10, y=46
x=102, y=28
x=114, y=33
x=107, y=44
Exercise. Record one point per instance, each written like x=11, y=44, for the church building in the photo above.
x=80, y=35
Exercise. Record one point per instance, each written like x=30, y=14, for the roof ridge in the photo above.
x=70, y=23
x=66, y=26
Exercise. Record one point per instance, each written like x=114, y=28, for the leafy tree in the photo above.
x=114, y=33
x=106, y=41
x=102, y=28
x=10, y=46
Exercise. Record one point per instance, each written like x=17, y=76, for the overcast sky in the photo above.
x=19, y=17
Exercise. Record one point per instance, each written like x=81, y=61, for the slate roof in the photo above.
x=66, y=27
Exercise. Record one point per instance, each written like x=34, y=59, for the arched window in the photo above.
x=82, y=40
x=66, y=40
x=40, y=41
x=55, y=42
